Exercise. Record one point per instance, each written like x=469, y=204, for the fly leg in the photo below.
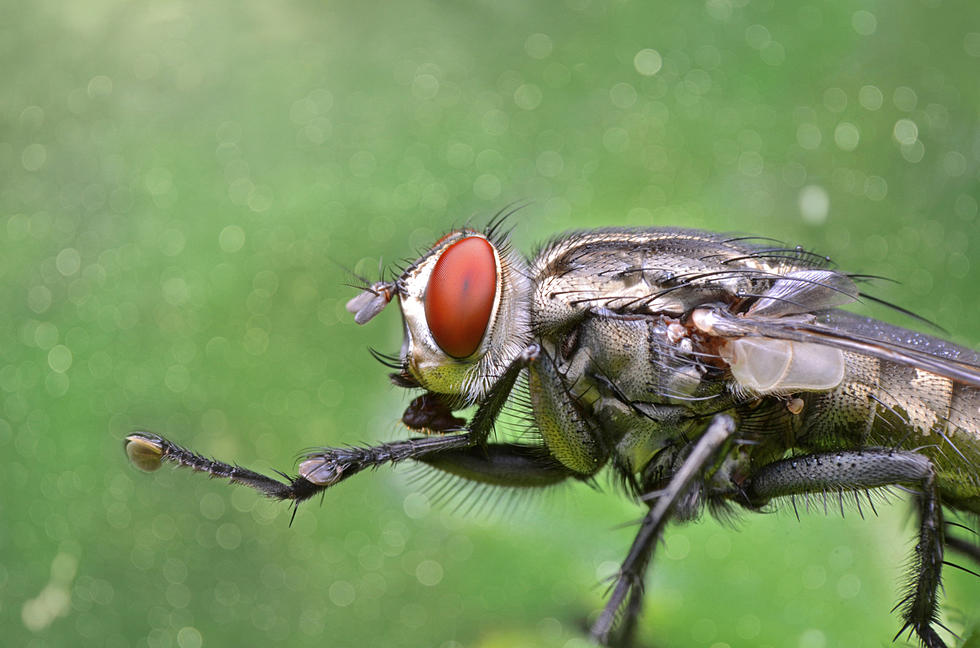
x=616, y=623
x=329, y=466
x=501, y=464
x=873, y=468
x=149, y=451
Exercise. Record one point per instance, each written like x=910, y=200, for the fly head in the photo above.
x=464, y=306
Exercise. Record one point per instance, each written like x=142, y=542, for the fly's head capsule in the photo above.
x=465, y=308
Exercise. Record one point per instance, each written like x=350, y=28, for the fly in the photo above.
x=702, y=370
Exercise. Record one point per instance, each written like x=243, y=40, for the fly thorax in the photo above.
x=637, y=379
x=465, y=310
x=647, y=361
x=631, y=271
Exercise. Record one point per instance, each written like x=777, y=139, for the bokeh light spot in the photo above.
x=425, y=86
x=459, y=154
x=875, y=188
x=905, y=131
x=812, y=638
x=495, y=122
x=864, y=22
x=32, y=117
x=172, y=242
x=913, y=152
x=231, y=238
x=416, y=505
x=748, y=626
x=703, y=630
x=835, y=100
x=846, y=136
x=808, y=136
x=965, y=207
x=362, y=164
x=773, y=54
x=341, y=593
x=719, y=9
x=68, y=261
x=59, y=358
x=622, y=95
x=158, y=181
x=528, y=96
x=813, y=576
x=971, y=44
x=648, y=62
x=538, y=46
x=99, y=86
x=616, y=139
x=814, y=204
x=39, y=298
x=429, y=573
x=189, y=637
x=757, y=36
x=870, y=97
x=228, y=536
x=487, y=186
x=33, y=157
x=848, y=586
x=954, y=164
x=905, y=98
x=549, y=163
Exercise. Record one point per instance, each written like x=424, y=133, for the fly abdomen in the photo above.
x=888, y=404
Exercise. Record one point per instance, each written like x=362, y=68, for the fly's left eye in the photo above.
x=460, y=296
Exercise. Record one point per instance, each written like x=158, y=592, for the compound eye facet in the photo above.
x=460, y=296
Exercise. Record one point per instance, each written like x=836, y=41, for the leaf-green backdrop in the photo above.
x=181, y=184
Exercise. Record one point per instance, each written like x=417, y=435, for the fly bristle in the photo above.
x=493, y=229
x=471, y=499
x=796, y=255
x=389, y=360
x=835, y=501
x=904, y=311
x=725, y=512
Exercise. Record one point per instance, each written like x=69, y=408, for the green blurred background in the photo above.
x=181, y=184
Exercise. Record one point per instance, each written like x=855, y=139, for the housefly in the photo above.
x=702, y=370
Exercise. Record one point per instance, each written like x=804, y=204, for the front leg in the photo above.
x=873, y=468
x=328, y=466
x=511, y=465
x=616, y=623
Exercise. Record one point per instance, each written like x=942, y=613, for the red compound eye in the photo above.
x=460, y=295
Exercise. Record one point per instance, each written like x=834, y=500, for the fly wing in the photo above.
x=791, y=336
x=849, y=332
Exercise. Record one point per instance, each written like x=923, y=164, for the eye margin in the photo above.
x=463, y=232
x=461, y=294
